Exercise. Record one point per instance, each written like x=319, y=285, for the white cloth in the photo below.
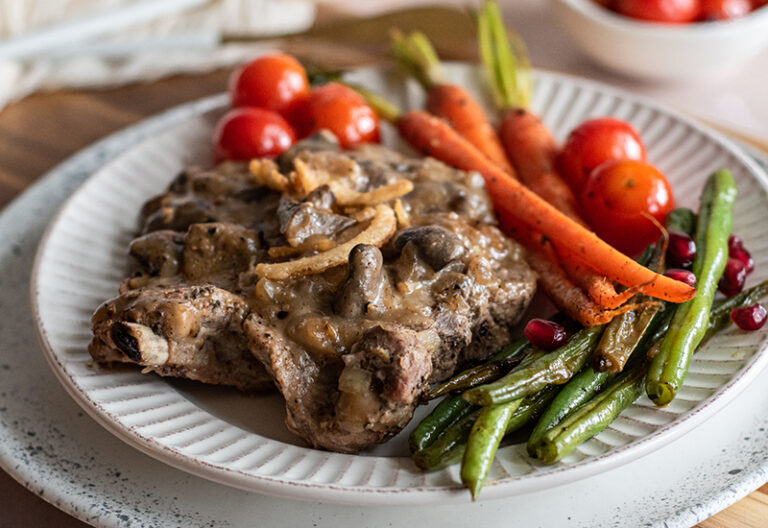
x=181, y=43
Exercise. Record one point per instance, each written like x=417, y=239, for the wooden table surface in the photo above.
x=44, y=129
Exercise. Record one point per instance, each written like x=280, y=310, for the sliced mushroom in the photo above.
x=361, y=288
x=318, y=142
x=435, y=245
x=301, y=220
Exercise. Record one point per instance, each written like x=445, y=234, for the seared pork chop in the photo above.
x=350, y=344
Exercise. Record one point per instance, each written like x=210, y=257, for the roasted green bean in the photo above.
x=449, y=447
x=621, y=338
x=593, y=416
x=555, y=367
x=483, y=442
x=447, y=412
x=582, y=387
x=681, y=220
x=670, y=366
x=499, y=365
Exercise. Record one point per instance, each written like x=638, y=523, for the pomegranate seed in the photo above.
x=544, y=334
x=681, y=250
x=749, y=317
x=743, y=255
x=732, y=281
x=682, y=275
x=734, y=242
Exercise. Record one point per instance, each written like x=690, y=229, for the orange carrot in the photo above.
x=529, y=145
x=456, y=105
x=453, y=103
x=597, y=286
x=532, y=150
x=433, y=136
x=553, y=279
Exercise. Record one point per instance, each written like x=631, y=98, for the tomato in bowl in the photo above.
x=659, y=51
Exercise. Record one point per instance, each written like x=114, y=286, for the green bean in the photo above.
x=448, y=411
x=483, y=442
x=625, y=331
x=660, y=325
x=593, y=416
x=531, y=407
x=681, y=220
x=621, y=337
x=719, y=317
x=582, y=387
x=669, y=368
x=555, y=367
x=449, y=446
x=500, y=364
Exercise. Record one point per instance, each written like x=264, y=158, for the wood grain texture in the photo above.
x=43, y=130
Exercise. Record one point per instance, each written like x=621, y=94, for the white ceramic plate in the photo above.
x=240, y=441
x=52, y=448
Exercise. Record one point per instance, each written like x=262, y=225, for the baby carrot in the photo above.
x=451, y=102
x=531, y=148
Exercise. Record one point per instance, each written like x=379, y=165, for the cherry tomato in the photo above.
x=275, y=82
x=594, y=142
x=664, y=11
x=724, y=9
x=247, y=133
x=617, y=196
x=341, y=110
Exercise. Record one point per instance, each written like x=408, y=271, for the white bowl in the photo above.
x=658, y=51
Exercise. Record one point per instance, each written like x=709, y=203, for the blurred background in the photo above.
x=52, y=44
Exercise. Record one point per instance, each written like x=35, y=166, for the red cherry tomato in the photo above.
x=341, y=110
x=724, y=9
x=275, y=82
x=664, y=11
x=617, y=196
x=594, y=142
x=247, y=133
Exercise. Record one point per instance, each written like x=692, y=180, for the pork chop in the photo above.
x=351, y=344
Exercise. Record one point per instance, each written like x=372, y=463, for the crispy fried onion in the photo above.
x=265, y=173
x=346, y=196
x=403, y=219
x=304, y=180
x=313, y=243
x=382, y=227
x=361, y=215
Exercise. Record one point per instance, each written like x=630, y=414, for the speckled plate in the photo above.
x=240, y=440
x=49, y=445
